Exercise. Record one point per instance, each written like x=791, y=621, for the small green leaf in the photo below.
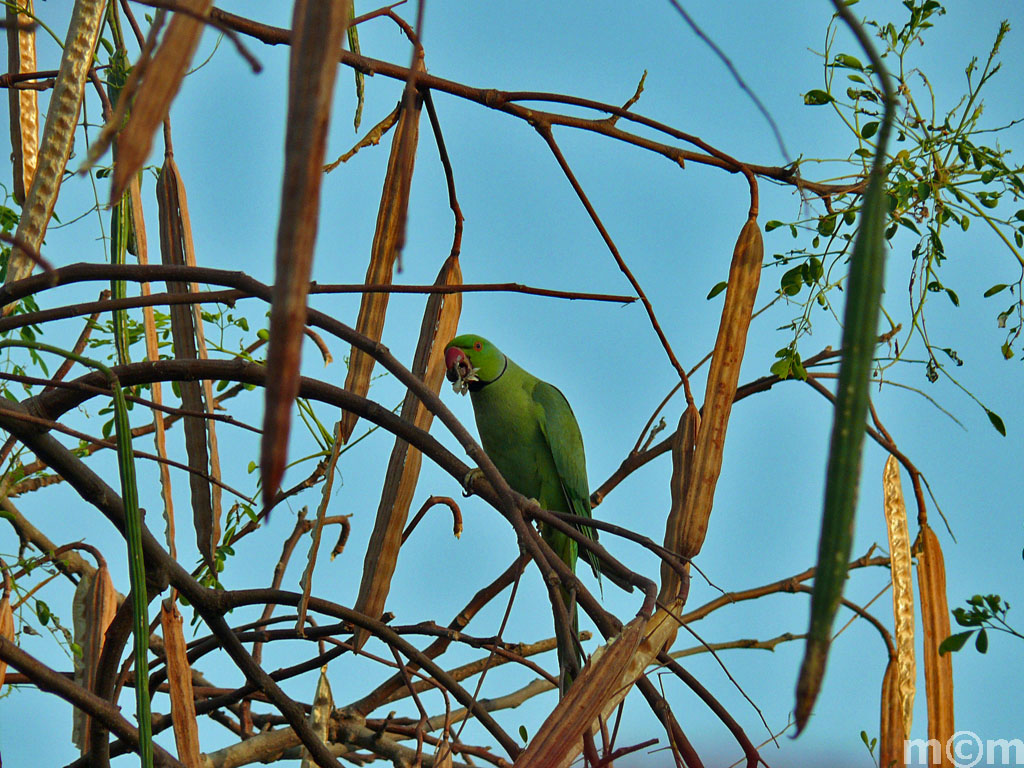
x=773, y=224
x=719, y=287
x=42, y=612
x=953, y=297
x=816, y=98
x=995, y=289
x=954, y=643
x=792, y=281
x=827, y=225
x=868, y=130
x=981, y=642
x=909, y=224
x=781, y=368
x=523, y=734
x=996, y=422
x=846, y=60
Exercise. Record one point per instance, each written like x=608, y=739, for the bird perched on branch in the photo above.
x=530, y=433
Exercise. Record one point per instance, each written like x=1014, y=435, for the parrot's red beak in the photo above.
x=456, y=363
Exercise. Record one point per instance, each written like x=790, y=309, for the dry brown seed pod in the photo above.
x=744, y=277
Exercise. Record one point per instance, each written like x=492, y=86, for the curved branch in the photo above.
x=505, y=101
x=110, y=715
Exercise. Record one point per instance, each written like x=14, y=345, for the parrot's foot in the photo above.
x=469, y=479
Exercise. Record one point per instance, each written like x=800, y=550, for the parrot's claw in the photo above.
x=469, y=479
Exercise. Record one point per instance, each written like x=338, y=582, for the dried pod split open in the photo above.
x=58, y=133
x=24, y=102
x=902, y=588
x=161, y=80
x=93, y=608
x=179, y=679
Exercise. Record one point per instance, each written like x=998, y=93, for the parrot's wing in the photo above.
x=562, y=434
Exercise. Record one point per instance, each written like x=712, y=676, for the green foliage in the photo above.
x=870, y=743
x=945, y=172
x=789, y=364
x=983, y=612
x=241, y=513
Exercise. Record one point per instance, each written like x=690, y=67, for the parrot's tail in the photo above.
x=568, y=658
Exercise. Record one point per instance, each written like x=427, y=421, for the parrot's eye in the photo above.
x=478, y=346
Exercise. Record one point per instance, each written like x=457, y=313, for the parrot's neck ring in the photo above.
x=476, y=386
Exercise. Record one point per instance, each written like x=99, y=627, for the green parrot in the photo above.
x=530, y=433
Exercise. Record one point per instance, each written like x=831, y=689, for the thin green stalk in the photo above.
x=133, y=534
x=121, y=216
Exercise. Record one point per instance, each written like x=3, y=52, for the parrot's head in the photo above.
x=470, y=359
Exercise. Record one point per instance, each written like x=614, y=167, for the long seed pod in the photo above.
x=744, y=277
x=153, y=353
x=175, y=242
x=58, y=133
x=317, y=29
x=938, y=670
x=682, y=472
x=159, y=86
x=891, y=735
x=92, y=609
x=179, y=680
x=842, y=477
x=24, y=102
x=902, y=588
x=440, y=321
x=394, y=206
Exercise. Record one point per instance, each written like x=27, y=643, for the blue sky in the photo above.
x=676, y=228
